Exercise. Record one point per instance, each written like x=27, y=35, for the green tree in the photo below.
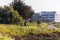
x=24, y=10
x=10, y=16
x=1, y=14
x=13, y=16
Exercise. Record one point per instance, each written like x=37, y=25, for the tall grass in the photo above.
x=10, y=30
x=14, y=30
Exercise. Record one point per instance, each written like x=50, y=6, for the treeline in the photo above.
x=15, y=13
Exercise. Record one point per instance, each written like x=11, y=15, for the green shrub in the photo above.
x=57, y=25
x=14, y=30
x=4, y=37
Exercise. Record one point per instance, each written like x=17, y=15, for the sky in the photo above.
x=5, y=2
x=38, y=5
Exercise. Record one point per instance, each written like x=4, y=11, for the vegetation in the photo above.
x=4, y=37
x=12, y=19
x=57, y=25
x=14, y=30
x=24, y=10
x=16, y=13
x=9, y=16
x=19, y=31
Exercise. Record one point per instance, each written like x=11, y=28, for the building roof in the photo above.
x=48, y=12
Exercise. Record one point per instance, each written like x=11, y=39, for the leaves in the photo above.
x=9, y=16
x=24, y=10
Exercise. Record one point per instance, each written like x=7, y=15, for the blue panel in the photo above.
x=48, y=16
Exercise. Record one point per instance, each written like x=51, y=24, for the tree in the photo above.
x=24, y=10
x=10, y=16
x=1, y=14
x=15, y=18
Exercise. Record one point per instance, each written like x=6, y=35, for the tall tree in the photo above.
x=24, y=10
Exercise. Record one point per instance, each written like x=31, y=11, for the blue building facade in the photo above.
x=36, y=17
x=48, y=16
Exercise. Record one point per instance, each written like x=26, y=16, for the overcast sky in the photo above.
x=5, y=2
x=39, y=5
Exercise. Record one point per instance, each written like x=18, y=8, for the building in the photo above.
x=51, y=16
x=57, y=17
x=36, y=17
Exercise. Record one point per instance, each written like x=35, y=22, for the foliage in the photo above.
x=24, y=10
x=57, y=25
x=14, y=30
x=4, y=37
x=9, y=16
x=15, y=13
x=10, y=30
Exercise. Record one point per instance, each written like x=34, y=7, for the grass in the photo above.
x=5, y=37
x=16, y=30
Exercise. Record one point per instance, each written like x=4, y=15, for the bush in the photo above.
x=4, y=37
x=14, y=30
x=57, y=25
